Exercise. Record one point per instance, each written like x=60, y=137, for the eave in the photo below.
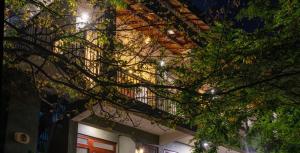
x=142, y=17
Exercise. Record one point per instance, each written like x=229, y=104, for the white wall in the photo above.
x=178, y=147
x=126, y=145
x=222, y=149
x=97, y=133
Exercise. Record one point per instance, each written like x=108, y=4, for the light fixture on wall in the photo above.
x=170, y=32
x=82, y=20
x=147, y=40
x=130, y=71
x=139, y=150
x=162, y=63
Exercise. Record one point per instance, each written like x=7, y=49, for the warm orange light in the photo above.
x=147, y=40
x=140, y=150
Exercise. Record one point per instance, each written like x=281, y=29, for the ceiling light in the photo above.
x=147, y=40
x=139, y=150
x=130, y=71
x=171, y=32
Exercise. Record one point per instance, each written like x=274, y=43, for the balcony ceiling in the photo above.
x=143, y=19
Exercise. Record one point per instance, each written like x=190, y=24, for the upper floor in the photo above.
x=133, y=45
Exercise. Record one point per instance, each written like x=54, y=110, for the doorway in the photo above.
x=87, y=144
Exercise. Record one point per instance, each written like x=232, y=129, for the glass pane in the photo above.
x=82, y=141
x=103, y=146
x=82, y=150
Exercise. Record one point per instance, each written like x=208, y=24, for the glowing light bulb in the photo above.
x=171, y=32
x=205, y=144
x=162, y=63
x=82, y=20
x=212, y=91
x=147, y=40
x=141, y=150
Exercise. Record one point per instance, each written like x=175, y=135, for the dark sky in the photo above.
x=201, y=7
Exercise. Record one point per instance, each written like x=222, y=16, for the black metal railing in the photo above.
x=144, y=94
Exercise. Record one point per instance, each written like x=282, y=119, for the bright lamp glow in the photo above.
x=147, y=40
x=205, y=144
x=162, y=63
x=212, y=91
x=139, y=150
x=82, y=20
x=171, y=32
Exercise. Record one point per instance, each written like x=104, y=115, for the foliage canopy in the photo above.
x=237, y=86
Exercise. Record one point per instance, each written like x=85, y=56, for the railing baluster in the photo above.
x=144, y=95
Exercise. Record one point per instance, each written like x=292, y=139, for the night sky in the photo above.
x=202, y=7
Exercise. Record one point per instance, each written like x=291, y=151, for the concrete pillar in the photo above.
x=126, y=145
x=72, y=136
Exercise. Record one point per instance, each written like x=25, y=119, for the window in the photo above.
x=81, y=150
x=87, y=144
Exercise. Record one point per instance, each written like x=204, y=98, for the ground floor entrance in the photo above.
x=87, y=144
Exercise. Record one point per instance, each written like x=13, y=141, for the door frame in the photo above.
x=90, y=142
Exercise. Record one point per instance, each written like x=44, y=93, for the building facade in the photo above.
x=144, y=30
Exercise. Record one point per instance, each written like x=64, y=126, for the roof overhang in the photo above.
x=142, y=18
x=138, y=121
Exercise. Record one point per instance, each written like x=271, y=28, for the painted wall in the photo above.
x=126, y=145
x=183, y=148
x=222, y=149
x=136, y=134
x=176, y=146
x=97, y=133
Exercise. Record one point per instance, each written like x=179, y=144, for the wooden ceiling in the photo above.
x=187, y=14
x=143, y=19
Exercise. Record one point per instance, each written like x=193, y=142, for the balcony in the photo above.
x=73, y=51
x=144, y=95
